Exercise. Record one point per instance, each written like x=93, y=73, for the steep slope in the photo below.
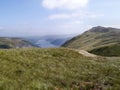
x=6, y=43
x=110, y=50
x=56, y=69
x=95, y=38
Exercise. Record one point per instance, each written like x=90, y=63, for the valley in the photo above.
x=59, y=45
x=84, y=62
x=48, y=41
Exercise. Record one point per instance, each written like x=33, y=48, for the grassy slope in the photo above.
x=56, y=69
x=111, y=50
x=13, y=43
x=95, y=38
x=84, y=41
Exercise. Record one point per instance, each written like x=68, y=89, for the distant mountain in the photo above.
x=98, y=40
x=6, y=43
x=49, y=40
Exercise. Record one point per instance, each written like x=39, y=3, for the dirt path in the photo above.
x=85, y=53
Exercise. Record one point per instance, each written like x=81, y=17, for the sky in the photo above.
x=44, y=17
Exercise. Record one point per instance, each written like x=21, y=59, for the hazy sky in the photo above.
x=36, y=17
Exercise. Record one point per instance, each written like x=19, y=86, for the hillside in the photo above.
x=56, y=69
x=6, y=43
x=95, y=38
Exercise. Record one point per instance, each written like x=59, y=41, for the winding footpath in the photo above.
x=85, y=53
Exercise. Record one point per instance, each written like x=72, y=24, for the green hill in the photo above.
x=95, y=38
x=6, y=43
x=110, y=50
x=56, y=69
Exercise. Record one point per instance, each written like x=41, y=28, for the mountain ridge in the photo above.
x=95, y=38
x=7, y=42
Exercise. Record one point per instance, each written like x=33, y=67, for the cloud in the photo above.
x=96, y=15
x=64, y=16
x=74, y=21
x=74, y=15
x=59, y=16
x=112, y=25
x=70, y=15
x=1, y=28
x=71, y=24
x=65, y=4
